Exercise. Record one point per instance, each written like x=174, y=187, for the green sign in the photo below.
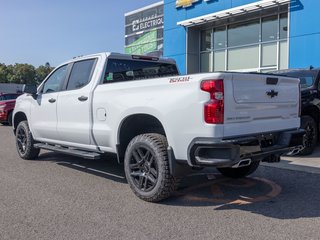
x=145, y=44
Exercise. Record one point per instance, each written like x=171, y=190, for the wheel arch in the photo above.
x=17, y=118
x=313, y=112
x=134, y=125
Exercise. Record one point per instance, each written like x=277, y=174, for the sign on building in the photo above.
x=144, y=31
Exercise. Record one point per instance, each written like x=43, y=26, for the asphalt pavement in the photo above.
x=63, y=197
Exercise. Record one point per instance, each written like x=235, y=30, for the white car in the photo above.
x=157, y=122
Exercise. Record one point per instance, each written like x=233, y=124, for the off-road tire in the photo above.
x=310, y=138
x=25, y=147
x=156, y=145
x=239, y=172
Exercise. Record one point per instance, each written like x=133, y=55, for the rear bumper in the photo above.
x=229, y=152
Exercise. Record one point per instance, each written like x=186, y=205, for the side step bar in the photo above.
x=69, y=151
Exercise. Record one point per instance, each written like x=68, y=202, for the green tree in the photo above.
x=23, y=74
x=42, y=72
x=3, y=73
x=10, y=74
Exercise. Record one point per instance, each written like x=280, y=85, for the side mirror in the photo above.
x=31, y=89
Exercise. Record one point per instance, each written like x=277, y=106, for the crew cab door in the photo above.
x=44, y=108
x=73, y=109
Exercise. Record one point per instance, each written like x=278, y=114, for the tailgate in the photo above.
x=261, y=103
x=262, y=88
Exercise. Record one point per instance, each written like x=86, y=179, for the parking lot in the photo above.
x=63, y=197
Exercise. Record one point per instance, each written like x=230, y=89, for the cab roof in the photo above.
x=127, y=57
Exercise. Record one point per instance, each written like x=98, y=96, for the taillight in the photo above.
x=214, y=109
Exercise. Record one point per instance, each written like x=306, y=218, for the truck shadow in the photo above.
x=272, y=192
x=106, y=167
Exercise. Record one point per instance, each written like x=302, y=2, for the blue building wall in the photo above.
x=304, y=44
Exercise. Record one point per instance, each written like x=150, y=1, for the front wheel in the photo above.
x=146, y=167
x=25, y=142
x=239, y=172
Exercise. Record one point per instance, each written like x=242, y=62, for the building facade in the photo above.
x=241, y=35
x=144, y=31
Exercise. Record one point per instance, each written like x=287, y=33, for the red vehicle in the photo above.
x=7, y=103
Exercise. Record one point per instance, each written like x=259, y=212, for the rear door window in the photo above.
x=81, y=74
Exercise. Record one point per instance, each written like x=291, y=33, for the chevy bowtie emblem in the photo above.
x=272, y=93
x=185, y=3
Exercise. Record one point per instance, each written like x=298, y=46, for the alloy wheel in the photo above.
x=143, y=168
x=22, y=140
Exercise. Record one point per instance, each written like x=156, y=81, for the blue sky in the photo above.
x=40, y=31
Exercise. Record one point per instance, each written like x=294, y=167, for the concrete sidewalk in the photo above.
x=310, y=164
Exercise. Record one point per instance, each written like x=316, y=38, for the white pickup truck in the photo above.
x=157, y=122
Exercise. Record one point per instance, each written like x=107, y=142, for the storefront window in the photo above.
x=283, y=26
x=256, y=45
x=206, y=40
x=243, y=34
x=269, y=54
x=283, y=55
x=269, y=28
x=219, y=59
x=243, y=58
x=206, y=62
x=219, y=38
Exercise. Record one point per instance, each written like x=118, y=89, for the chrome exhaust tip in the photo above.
x=295, y=151
x=243, y=163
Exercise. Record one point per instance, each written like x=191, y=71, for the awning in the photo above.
x=248, y=8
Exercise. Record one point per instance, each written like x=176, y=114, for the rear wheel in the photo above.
x=239, y=172
x=147, y=167
x=311, y=136
x=25, y=142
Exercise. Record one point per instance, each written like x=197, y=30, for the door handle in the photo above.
x=83, y=98
x=51, y=100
